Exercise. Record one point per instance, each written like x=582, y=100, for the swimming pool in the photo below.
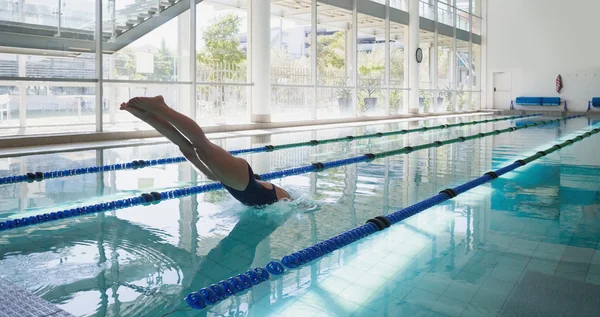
x=471, y=256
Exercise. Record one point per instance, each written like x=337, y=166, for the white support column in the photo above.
x=99, y=74
x=413, y=66
x=387, y=57
x=354, y=61
x=261, y=60
x=313, y=57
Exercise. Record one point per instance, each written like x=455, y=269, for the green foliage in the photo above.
x=443, y=63
x=397, y=65
x=331, y=50
x=164, y=64
x=221, y=43
x=396, y=101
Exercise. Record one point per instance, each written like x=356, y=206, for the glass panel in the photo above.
x=398, y=64
x=447, y=104
x=475, y=100
x=156, y=56
x=397, y=101
x=426, y=10
x=463, y=5
x=445, y=14
x=291, y=103
x=76, y=15
x=371, y=65
x=60, y=104
x=477, y=7
x=462, y=101
x=476, y=25
x=334, y=67
x=334, y=47
x=476, y=67
x=221, y=43
x=426, y=100
x=445, y=92
x=290, y=50
x=9, y=108
x=398, y=4
x=116, y=93
x=425, y=69
x=49, y=64
x=222, y=104
x=444, y=63
x=462, y=20
x=122, y=15
x=331, y=105
x=397, y=61
x=463, y=65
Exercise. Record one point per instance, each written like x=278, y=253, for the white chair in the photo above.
x=4, y=107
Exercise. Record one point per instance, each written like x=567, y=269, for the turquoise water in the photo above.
x=471, y=256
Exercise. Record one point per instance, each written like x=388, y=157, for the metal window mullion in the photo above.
x=470, y=59
x=313, y=55
x=387, y=57
x=249, y=69
x=99, y=70
x=193, y=61
x=453, y=61
x=435, y=55
x=355, y=55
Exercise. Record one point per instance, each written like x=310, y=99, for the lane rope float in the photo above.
x=238, y=284
x=137, y=164
x=157, y=197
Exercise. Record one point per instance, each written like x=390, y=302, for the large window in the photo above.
x=445, y=75
x=426, y=71
x=371, y=65
x=48, y=87
x=156, y=63
x=339, y=67
x=397, y=100
x=335, y=87
x=222, y=63
x=291, y=63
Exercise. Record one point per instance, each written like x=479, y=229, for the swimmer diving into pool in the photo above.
x=234, y=173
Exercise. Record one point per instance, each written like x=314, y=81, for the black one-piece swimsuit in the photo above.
x=255, y=194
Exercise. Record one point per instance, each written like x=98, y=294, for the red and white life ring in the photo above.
x=559, y=84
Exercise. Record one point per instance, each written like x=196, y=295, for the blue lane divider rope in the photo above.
x=157, y=197
x=136, y=164
x=237, y=284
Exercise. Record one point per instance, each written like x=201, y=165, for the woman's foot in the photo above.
x=137, y=112
x=151, y=104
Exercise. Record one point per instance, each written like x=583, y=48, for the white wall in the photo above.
x=535, y=40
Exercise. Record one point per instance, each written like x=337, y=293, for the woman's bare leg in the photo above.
x=231, y=171
x=168, y=131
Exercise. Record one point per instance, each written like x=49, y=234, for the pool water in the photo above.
x=498, y=250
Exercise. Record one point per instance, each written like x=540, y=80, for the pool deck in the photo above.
x=17, y=302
